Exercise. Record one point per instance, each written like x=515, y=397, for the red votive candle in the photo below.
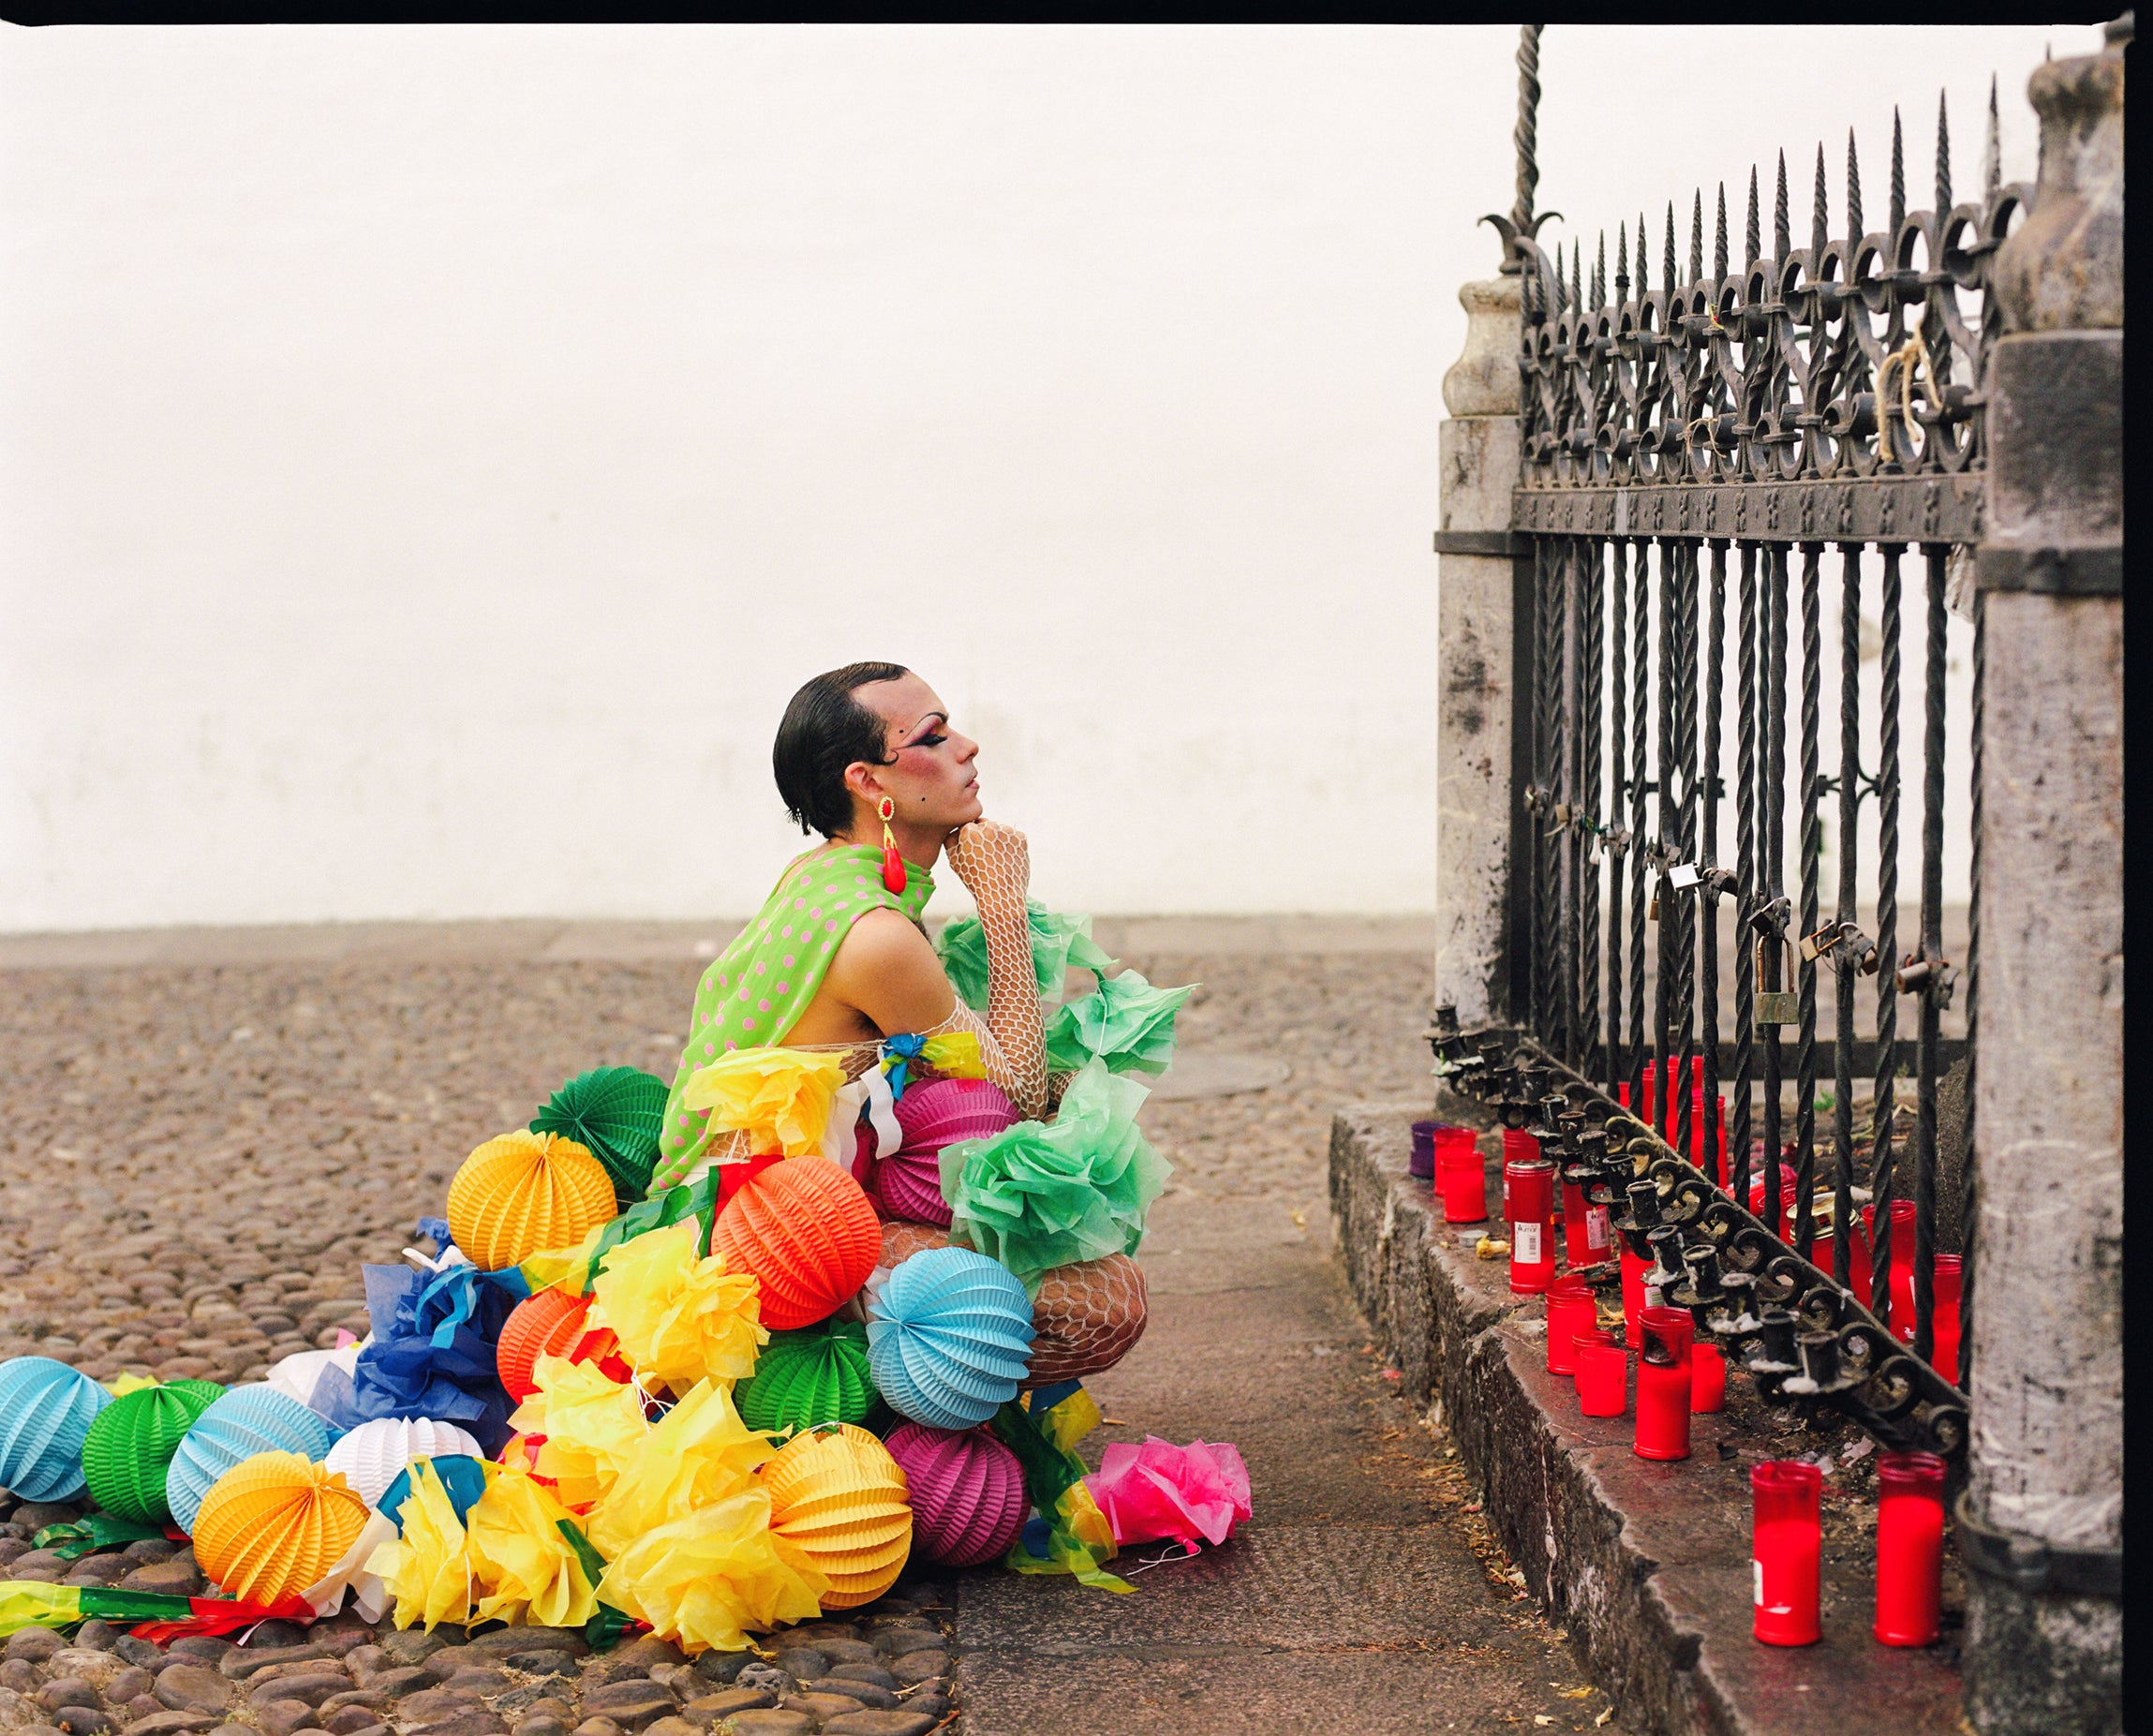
x=1462, y=1177
x=1663, y=1378
x=1784, y=1543
x=1570, y=1310
x=1949, y=1276
x=1707, y=1379
x=1910, y=1547
x=1584, y=1228
x=1602, y=1376
x=1529, y=1203
x=1901, y=1237
x=1860, y=1273
x=1633, y=1272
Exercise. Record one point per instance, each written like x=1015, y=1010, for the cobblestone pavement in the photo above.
x=195, y=1161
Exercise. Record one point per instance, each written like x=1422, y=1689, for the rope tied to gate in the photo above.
x=1912, y=360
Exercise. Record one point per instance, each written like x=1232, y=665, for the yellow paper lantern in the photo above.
x=274, y=1524
x=523, y=1192
x=839, y=1495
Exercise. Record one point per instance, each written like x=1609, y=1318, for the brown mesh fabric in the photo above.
x=994, y=863
x=1086, y=1316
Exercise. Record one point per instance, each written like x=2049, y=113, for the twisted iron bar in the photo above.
x=1617, y=790
x=1843, y=957
x=1708, y=897
x=1812, y=848
x=1682, y=916
x=1932, y=996
x=1590, y=651
x=1883, y=1109
x=1747, y=879
x=1641, y=662
x=1525, y=135
x=1664, y=951
x=1772, y=866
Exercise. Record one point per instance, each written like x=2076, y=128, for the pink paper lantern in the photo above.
x=967, y=1501
x=930, y=1116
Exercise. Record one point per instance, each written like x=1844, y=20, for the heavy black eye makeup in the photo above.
x=933, y=738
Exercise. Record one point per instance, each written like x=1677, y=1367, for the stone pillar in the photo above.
x=2041, y=1521
x=1480, y=746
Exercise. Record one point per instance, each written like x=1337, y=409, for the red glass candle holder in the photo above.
x=1461, y=1175
x=1707, y=1379
x=1861, y=1273
x=1899, y=1237
x=1944, y=1296
x=1785, y=1542
x=1585, y=1232
x=1663, y=1378
x=1602, y=1377
x=1529, y=1203
x=1571, y=1309
x=1633, y=1272
x=1910, y=1547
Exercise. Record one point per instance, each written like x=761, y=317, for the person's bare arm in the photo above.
x=995, y=864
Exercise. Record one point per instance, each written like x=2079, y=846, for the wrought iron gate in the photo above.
x=1702, y=462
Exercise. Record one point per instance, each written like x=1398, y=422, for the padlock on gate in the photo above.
x=1777, y=1006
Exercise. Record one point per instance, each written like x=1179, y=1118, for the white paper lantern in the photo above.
x=374, y=1452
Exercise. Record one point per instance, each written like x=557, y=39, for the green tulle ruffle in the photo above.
x=1039, y=1196
x=1124, y=1022
x=1057, y=943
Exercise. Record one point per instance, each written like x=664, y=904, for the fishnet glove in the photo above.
x=995, y=865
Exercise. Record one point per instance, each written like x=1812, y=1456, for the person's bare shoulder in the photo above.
x=888, y=969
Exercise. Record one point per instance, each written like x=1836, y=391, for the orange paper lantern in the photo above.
x=838, y=1496
x=807, y=1232
x=274, y=1524
x=551, y=1324
x=523, y=1193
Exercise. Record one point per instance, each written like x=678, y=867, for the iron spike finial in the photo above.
x=1667, y=256
x=1622, y=263
x=1560, y=292
x=1719, y=237
x=1853, y=193
x=1526, y=134
x=1577, y=282
x=1943, y=157
x=1644, y=265
x=1819, y=215
x=1696, y=235
x=1600, y=275
x=1898, y=172
x=1752, y=242
x=1782, y=232
x=1992, y=150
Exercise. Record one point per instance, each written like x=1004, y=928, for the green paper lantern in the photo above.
x=131, y=1444
x=616, y=1114
x=807, y=1378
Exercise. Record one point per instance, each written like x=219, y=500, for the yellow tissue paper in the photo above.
x=530, y=1571
x=563, y=1269
x=699, y=1454
x=593, y=1427
x=780, y=1096
x=955, y=1055
x=428, y=1569
x=702, y=1581
x=679, y=1318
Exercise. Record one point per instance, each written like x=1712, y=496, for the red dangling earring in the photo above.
x=893, y=864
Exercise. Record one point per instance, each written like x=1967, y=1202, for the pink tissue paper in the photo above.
x=1159, y=1489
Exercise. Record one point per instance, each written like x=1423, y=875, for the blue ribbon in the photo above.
x=896, y=1052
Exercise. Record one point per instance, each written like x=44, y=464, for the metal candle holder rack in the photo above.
x=1805, y=1340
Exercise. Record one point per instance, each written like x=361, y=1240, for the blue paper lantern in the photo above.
x=949, y=1337
x=245, y=1421
x=46, y=1409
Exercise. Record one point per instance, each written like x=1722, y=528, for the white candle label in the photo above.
x=1526, y=1241
x=1757, y=1572
x=1597, y=1227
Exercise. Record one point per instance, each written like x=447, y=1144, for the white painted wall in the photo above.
x=430, y=457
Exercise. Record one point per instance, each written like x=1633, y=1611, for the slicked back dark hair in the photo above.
x=825, y=729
